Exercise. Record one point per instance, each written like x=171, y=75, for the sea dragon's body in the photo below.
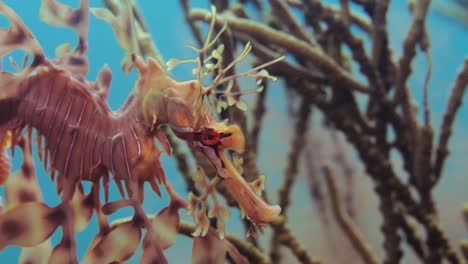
x=86, y=141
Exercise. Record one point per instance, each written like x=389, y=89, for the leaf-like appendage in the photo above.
x=82, y=211
x=36, y=255
x=164, y=142
x=55, y=13
x=22, y=187
x=166, y=225
x=61, y=254
x=212, y=249
x=103, y=82
x=209, y=249
x=17, y=36
x=28, y=224
x=118, y=245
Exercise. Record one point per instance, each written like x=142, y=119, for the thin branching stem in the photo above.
x=346, y=223
x=291, y=171
x=294, y=45
x=455, y=100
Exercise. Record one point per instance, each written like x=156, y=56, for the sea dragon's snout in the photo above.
x=213, y=142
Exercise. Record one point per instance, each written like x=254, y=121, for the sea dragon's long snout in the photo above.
x=213, y=142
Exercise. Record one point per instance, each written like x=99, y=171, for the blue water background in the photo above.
x=171, y=34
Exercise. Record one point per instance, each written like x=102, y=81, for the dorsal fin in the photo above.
x=103, y=81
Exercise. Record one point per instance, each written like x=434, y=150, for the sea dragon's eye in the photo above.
x=209, y=137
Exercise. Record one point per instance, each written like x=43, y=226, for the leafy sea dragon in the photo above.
x=86, y=141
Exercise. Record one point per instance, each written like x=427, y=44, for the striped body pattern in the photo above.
x=84, y=140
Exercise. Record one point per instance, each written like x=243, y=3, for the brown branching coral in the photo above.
x=316, y=48
x=345, y=221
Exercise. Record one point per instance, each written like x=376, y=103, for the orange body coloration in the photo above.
x=5, y=165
